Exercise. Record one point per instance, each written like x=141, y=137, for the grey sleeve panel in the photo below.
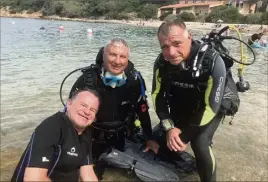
x=213, y=97
x=218, y=76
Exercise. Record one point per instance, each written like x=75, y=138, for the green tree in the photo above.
x=47, y=8
x=187, y=16
x=58, y=8
x=39, y=3
x=264, y=18
x=72, y=9
x=5, y=3
x=148, y=11
x=227, y=14
x=215, y=14
x=253, y=18
x=167, y=15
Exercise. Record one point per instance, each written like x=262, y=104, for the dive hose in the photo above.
x=216, y=39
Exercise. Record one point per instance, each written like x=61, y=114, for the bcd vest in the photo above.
x=119, y=101
x=230, y=102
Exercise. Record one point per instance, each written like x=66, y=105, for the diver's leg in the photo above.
x=205, y=160
x=99, y=146
x=99, y=167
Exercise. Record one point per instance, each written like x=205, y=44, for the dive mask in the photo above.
x=113, y=80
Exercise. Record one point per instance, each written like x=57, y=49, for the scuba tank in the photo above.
x=230, y=101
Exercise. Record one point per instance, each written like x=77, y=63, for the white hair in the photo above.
x=116, y=41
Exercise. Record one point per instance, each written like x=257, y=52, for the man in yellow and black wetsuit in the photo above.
x=187, y=95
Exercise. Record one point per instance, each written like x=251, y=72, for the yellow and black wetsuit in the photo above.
x=191, y=104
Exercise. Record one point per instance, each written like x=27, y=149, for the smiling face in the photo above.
x=115, y=58
x=175, y=45
x=82, y=109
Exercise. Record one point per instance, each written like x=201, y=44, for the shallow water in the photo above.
x=34, y=63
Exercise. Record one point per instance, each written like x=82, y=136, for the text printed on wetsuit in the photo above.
x=218, y=91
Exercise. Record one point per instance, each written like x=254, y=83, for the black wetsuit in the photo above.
x=118, y=105
x=55, y=145
x=192, y=103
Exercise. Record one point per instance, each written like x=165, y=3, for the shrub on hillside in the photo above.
x=25, y=4
x=30, y=11
x=264, y=18
x=228, y=15
x=5, y=3
x=187, y=16
x=122, y=16
x=72, y=9
x=13, y=11
x=242, y=19
x=214, y=15
x=164, y=15
x=253, y=18
x=200, y=18
x=58, y=8
x=47, y=8
x=39, y=3
x=111, y=15
x=148, y=11
x=170, y=17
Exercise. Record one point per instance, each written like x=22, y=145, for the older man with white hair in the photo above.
x=124, y=104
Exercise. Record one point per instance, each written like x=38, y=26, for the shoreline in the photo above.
x=148, y=23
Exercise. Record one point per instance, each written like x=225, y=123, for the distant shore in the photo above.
x=149, y=23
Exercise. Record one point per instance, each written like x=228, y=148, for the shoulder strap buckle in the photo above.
x=85, y=69
x=197, y=66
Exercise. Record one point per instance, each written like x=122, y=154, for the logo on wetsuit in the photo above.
x=125, y=102
x=218, y=91
x=72, y=153
x=183, y=85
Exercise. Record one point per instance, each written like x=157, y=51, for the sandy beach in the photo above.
x=148, y=23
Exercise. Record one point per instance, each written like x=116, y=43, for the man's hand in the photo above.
x=173, y=140
x=151, y=145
